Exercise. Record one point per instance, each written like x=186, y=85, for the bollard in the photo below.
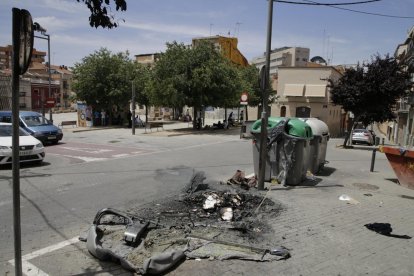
x=383, y=140
x=373, y=160
x=242, y=131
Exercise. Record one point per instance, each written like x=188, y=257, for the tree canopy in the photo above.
x=103, y=79
x=100, y=17
x=371, y=90
x=197, y=76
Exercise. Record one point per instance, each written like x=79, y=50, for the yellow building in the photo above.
x=227, y=46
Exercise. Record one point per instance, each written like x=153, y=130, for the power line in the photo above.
x=326, y=4
x=335, y=5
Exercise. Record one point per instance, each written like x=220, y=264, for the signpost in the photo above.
x=22, y=33
x=243, y=98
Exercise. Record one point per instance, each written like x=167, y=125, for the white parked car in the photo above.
x=31, y=149
x=362, y=136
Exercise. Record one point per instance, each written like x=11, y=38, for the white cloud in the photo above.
x=67, y=6
x=168, y=28
x=53, y=24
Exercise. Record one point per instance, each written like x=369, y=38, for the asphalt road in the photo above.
x=107, y=168
x=111, y=168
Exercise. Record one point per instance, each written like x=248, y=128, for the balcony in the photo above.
x=404, y=104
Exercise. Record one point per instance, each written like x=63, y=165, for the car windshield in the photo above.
x=7, y=131
x=35, y=120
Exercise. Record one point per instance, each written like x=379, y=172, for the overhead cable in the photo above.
x=335, y=5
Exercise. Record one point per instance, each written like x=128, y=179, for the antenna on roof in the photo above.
x=237, y=28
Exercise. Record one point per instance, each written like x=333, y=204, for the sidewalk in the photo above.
x=327, y=236
x=170, y=128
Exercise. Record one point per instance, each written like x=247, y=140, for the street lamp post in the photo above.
x=263, y=144
x=42, y=30
x=133, y=108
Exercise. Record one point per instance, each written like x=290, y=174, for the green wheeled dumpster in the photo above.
x=288, y=148
x=318, y=143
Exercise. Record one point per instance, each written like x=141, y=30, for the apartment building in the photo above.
x=147, y=59
x=303, y=92
x=401, y=131
x=284, y=56
x=227, y=47
x=34, y=89
x=6, y=56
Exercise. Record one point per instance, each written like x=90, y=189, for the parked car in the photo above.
x=362, y=136
x=373, y=135
x=31, y=149
x=36, y=125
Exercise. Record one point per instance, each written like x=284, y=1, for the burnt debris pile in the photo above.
x=216, y=222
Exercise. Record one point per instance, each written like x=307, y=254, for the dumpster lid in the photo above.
x=318, y=127
x=295, y=126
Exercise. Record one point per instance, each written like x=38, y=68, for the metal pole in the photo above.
x=15, y=143
x=263, y=140
x=50, y=77
x=133, y=108
x=373, y=160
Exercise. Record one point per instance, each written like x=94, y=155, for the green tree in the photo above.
x=142, y=78
x=99, y=12
x=103, y=79
x=371, y=90
x=249, y=77
x=198, y=76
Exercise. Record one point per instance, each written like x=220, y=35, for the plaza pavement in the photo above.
x=327, y=236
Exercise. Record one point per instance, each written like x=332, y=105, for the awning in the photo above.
x=295, y=90
x=314, y=90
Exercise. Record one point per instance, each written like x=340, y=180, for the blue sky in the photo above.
x=341, y=36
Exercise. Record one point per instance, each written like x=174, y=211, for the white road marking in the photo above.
x=85, y=158
x=121, y=155
x=31, y=270
x=88, y=150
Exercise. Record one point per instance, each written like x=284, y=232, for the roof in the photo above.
x=310, y=68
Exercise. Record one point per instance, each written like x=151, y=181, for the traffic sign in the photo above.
x=243, y=98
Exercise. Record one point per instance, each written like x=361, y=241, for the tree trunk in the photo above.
x=146, y=114
x=348, y=134
x=194, y=117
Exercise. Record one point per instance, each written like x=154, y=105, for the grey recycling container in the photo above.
x=318, y=144
x=287, y=158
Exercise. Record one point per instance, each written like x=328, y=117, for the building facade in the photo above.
x=401, y=131
x=34, y=92
x=6, y=56
x=303, y=92
x=227, y=47
x=285, y=56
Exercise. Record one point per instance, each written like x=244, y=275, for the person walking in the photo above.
x=103, y=117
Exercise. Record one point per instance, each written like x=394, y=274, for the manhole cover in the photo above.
x=366, y=186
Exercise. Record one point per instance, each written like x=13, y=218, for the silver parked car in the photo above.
x=31, y=149
x=362, y=136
